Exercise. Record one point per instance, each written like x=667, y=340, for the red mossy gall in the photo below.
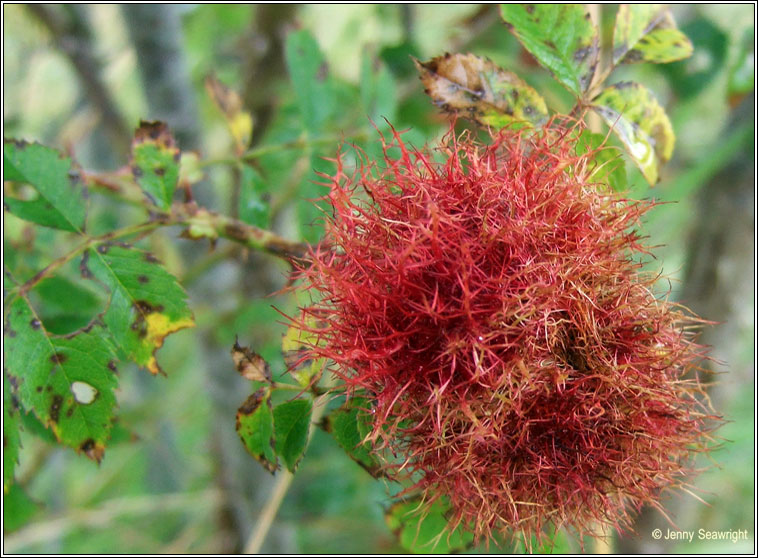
x=494, y=309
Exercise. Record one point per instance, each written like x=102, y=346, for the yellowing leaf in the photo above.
x=476, y=88
x=146, y=304
x=230, y=104
x=295, y=344
x=648, y=33
x=635, y=116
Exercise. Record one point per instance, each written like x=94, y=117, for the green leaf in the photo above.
x=292, y=421
x=146, y=302
x=423, y=529
x=349, y=425
x=647, y=33
x=67, y=306
x=11, y=434
x=67, y=381
x=609, y=167
x=378, y=89
x=295, y=345
x=636, y=117
x=310, y=80
x=561, y=37
x=253, y=198
x=155, y=162
x=476, y=88
x=18, y=508
x=61, y=203
x=255, y=426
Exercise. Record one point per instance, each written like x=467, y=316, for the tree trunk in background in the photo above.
x=72, y=35
x=156, y=33
x=718, y=286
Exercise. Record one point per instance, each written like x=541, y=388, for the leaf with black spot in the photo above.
x=648, y=33
x=155, y=162
x=11, y=434
x=561, y=37
x=255, y=426
x=61, y=196
x=64, y=380
x=146, y=302
x=475, y=88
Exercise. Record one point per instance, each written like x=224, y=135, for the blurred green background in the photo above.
x=178, y=480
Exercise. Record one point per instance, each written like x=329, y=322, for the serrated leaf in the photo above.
x=648, y=33
x=423, y=529
x=250, y=364
x=309, y=74
x=292, y=421
x=146, y=302
x=155, y=162
x=378, y=89
x=295, y=345
x=641, y=124
x=67, y=381
x=11, y=434
x=561, y=37
x=476, y=88
x=18, y=508
x=61, y=203
x=230, y=104
x=254, y=208
x=349, y=425
x=255, y=426
x=608, y=165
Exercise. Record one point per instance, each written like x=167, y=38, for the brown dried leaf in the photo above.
x=476, y=88
x=250, y=364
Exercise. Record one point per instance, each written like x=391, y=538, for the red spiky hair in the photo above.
x=492, y=308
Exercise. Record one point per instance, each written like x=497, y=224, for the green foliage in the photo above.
x=423, y=529
x=292, y=421
x=60, y=203
x=155, y=162
x=609, y=167
x=636, y=117
x=255, y=426
x=18, y=508
x=310, y=80
x=350, y=424
x=253, y=208
x=561, y=37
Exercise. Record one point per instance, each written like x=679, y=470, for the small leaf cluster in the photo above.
x=564, y=39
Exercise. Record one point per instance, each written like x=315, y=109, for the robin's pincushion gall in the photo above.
x=493, y=308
